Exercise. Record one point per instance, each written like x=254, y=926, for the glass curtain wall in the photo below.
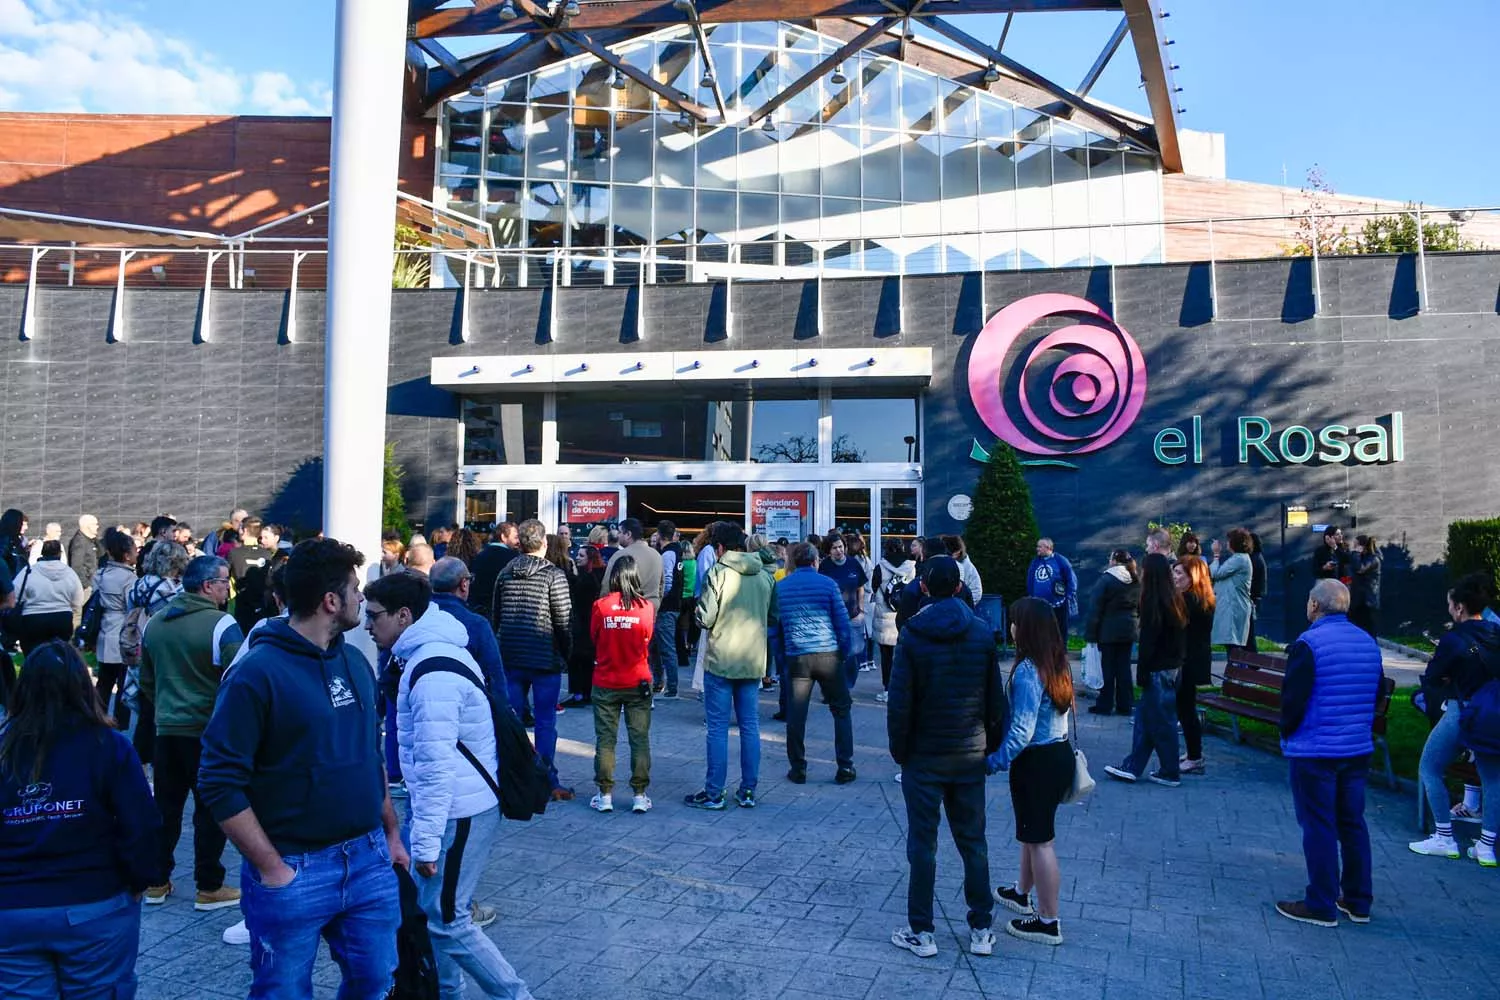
x=880, y=168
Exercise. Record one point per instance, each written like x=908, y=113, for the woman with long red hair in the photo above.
x=1191, y=578
x=1040, y=761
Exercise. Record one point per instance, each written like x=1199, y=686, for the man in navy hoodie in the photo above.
x=291, y=769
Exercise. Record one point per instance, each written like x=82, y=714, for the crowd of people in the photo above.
x=223, y=673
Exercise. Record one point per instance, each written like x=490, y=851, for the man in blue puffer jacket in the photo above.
x=812, y=638
x=455, y=815
x=1334, y=675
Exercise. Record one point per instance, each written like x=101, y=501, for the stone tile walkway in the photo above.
x=1167, y=893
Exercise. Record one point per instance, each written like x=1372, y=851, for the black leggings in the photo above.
x=112, y=681
x=1118, y=693
x=1187, y=714
x=886, y=655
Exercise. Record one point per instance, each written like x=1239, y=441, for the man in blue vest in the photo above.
x=1328, y=700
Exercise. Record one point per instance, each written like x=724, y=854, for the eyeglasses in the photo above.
x=374, y=615
x=220, y=579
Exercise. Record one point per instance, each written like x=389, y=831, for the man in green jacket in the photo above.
x=184, y=650
x=737, y=603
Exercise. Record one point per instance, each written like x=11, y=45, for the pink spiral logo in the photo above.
x=1092, y=395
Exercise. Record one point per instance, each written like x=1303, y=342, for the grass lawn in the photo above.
x=1406, y=731
x=1420, y=642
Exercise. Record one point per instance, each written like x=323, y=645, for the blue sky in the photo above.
x=1392, y=99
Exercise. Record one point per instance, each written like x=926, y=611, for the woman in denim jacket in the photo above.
x=1040, y=761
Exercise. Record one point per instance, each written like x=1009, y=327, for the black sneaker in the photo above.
x=745, y=798
x=702, y=800
x=1346, y=910
x=1035, y=929
x=845, y=776
x=779, y=716
x=797, y=776
x=1298, y=910
x=1018, y=902
x=1162, y=779
x=1100, y=710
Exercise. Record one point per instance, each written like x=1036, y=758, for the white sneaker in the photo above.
x=641, y=804
x=1436, y=846
x=981, y=941
x=237, y=934
x=882, y=696
x=922, y=945
x=602, y=802
x=1483, y=853
x=1120, y=773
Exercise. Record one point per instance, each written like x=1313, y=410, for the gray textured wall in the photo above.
x=162, y=422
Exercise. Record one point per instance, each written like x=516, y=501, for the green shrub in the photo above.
x=1474, y=546
x=1002, y=531
x=393, y=504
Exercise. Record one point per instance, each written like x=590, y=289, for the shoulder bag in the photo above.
x=1083, y=782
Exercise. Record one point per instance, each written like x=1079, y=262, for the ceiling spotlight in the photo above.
x=476, y=90
x=991, y=74
x=838, y=79
x=707, y=83
x=508, y=11
x=769, y=127
x=617, y=82
x=685, y=122
x=571, y=8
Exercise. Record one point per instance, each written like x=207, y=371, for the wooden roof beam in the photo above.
x=1156, y=71
x=647, y=15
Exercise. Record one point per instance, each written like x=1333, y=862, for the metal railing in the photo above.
x=255, y=261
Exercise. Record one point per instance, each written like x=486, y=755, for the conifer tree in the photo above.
x=1002, y=532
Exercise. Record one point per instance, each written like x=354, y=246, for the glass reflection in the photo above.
x=889, y=148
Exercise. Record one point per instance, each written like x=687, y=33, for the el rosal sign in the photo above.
x=1092, y=379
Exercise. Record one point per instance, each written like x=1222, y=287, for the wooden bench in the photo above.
x=1252, y=690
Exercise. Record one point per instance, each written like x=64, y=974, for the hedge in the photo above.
x=1474, y=546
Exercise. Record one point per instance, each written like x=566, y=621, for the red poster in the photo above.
x=587, y=508
x=763, y=503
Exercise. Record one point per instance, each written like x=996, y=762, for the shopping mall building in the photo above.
x=803, y=275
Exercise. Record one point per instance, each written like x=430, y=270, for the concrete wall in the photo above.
x=126, y=430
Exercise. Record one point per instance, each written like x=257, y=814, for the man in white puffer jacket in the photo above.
x=454, y=813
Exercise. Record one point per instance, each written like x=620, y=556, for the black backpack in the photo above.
x=416, y=967
x=525, y=785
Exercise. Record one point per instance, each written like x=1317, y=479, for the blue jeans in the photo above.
x=719, y=695
x=1329, y=796
x=392, y=749
x=855, y=658
x=81, y=952
x=1155, y=726
x=1442, y=746
x=457, y=944
x=545, y=690
x=346, y=894
x=964, y=803
x=664, y=665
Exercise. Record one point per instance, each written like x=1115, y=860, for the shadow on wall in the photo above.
x=298, y=503
x=1411, y=596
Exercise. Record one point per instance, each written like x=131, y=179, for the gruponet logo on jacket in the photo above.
x=39, y=805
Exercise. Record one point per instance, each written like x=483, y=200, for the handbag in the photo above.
x=86, y=637
x=10, y=618
x=1083, y=782
x=1093, y=668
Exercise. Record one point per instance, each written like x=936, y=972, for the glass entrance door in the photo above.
x=876, y=512
x=581, y=510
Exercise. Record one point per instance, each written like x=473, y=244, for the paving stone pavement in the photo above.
x=1167, y=893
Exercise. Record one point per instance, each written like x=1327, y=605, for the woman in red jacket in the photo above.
x=621, y=627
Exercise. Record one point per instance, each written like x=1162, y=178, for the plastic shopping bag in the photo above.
x=1093, y=668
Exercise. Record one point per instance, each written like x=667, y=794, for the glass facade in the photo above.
x=890, y=169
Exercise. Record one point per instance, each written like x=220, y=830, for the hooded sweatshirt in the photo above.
x=294, y=735
x=49, y=586
x=737, y=605
x=431, y=718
